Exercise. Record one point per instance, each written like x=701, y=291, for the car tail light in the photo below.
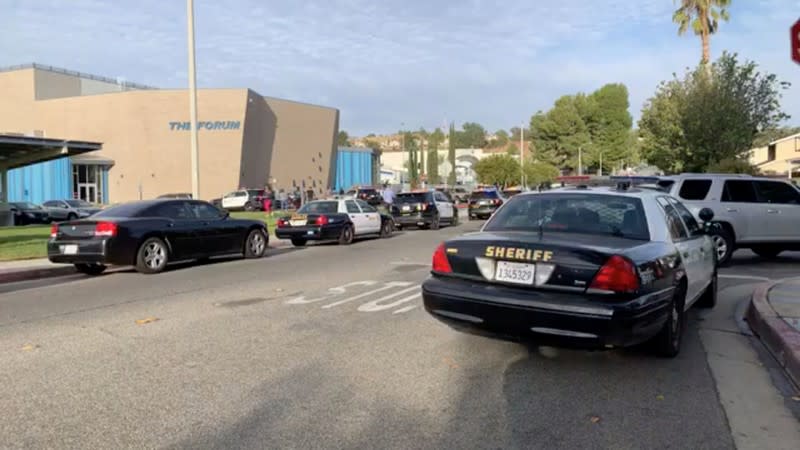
x=281, y=223
x=105, y=229
x=440, y=262
x=425, y=206
x=497, y=201
x=618, y=274
x=321, y=220
x=54, y=230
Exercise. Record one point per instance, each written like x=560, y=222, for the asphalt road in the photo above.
x=329, y=347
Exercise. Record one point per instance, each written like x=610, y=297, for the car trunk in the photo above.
x=410, y=204
x=560, y=260
x=77, y=230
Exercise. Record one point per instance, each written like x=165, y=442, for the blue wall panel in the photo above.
x=41, y=182
x=104, y=197
x=353, y=166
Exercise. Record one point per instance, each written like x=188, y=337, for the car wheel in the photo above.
x=299, y=242
x=667, y=342
x=90, y=269
x=249, y=207
x=709, y=298
x=387, y=228
x=435, y=223
x=256, y=244
x=72, y=216
x=723, y=245
x=767, y=251
x=346, y=237
x=152, y=256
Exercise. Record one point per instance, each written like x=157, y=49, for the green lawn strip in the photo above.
x=29, y=242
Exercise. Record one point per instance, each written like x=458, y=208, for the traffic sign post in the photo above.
x=795, y=31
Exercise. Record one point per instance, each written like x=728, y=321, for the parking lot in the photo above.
x=328, y=346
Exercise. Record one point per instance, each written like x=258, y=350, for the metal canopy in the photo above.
x=18, y=151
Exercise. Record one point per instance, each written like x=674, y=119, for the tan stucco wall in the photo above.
x=275, y=138
x=785, y=151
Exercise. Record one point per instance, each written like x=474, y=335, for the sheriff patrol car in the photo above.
x=337, y=219
x=599, y=267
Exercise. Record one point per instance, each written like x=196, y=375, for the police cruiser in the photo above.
x=588, y=267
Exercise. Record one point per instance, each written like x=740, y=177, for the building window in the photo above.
x=771, y=152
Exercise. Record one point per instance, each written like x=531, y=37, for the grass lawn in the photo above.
x=29, y=242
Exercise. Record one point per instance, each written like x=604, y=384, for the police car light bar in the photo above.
x=634, y=179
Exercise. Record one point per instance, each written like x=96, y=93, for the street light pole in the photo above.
x=195, y=151
x=580, y=161
x=522, y=156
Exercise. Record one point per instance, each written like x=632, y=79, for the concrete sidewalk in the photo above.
x=34, y=269
x=774, y=315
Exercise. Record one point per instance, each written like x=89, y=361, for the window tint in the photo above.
x=674, y=222
x=320, y=207
x=204, y=210
x=79, y=203
x=777, y=192
x=688, y=219
x=366, y=207
x=694, y=189
x=740, y=191
x=573, y=213
x=440, y=197
x=352, y=208
x=171, y=210
x=483, y=194
x=409, y=197
x=49, y=204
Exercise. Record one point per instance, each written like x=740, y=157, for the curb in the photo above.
x=36, y=273
x=781, y=340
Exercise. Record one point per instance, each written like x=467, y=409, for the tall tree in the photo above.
x=501, y=138
x=609, y=125
x=704, y=17
x=472, y=136
x=343, y=139
x=514, y=134
x=501, y=169
x=435, y=141
x=560, y=133
x=412, y=146
x=423, y=138
x=451, y=156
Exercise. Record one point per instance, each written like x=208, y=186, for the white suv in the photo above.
x=244, y=199
x=762, y=214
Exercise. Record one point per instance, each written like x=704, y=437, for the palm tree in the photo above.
x=704, y=17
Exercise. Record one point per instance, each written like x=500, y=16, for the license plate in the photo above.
x=69, y=249
x=406, y=208
x=297, y=223
x=310, y=232
x=512, y=272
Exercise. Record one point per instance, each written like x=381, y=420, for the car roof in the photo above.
x=600, y=190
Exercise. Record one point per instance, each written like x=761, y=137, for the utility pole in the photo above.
x=580, y=163
x=193, y=103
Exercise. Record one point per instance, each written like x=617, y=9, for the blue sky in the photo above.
x=390, y=62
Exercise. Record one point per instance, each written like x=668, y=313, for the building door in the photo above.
x=86, y=181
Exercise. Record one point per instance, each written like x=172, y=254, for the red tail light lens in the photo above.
x=618, y=274
x=281, y=223
x=321, y=220
x=105, y=229
x=54, y=230
x=440, y=262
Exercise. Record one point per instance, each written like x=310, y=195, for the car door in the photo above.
x=373, y=216
x=359, y=219
x=700, y=247
x=56, y=210
x=741, y=207
x=782, y=209
x=687, y=247
x=181, y=228
x=216, y=234
x=444, y=205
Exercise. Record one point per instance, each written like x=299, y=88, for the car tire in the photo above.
x=299, y=242
x=71, y=216
x=767, y=251
x=256, y=244
x=435, y=223
x=90, y=269
x=152, y=256
x=387, y=228
x=667, y=343
x=724, y=245
x=709, y=298
x=346, y=236
x=249, y=207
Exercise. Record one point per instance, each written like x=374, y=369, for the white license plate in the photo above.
x=406, y=208
x=297, y=223
x=310, y=232
x=69, y=249
x=512, y=272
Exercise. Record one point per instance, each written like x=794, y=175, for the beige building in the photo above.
x=781, y=157
x=245, y=139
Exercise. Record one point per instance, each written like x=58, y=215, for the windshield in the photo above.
x=79, y=204
x=122, y=210
x=573, y=213
x=323, y=207
x=25, y=205
x=416, y=197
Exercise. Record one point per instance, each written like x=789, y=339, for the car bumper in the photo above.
x=559, y=319
x=482, y=211
x=411, y=219
x=309, y=233
x=88, y=251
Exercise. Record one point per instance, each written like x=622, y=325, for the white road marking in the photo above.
x=743, y=277
x=406, y=309
x=376, y=306
x=389, y=285
x=338, y=290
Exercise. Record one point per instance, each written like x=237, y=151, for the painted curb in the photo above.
x=779, y=337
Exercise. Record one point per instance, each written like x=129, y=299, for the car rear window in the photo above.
x=694, y=189
x=600, y=214
x=122, y=210
x=415, y=197
x=483, y=194
x=322, y=207
x=256, y=192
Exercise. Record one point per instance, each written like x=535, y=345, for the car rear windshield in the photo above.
x=319, y=208
x=411, y=197
x=369, y=191
x=573, y=213
x=122, y=210
x=483, y=194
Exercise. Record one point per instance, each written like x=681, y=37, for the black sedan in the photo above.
x=591, y=268
x=26, y=213
x=149, y=234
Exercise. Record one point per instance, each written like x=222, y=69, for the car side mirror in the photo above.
x=706, y=215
